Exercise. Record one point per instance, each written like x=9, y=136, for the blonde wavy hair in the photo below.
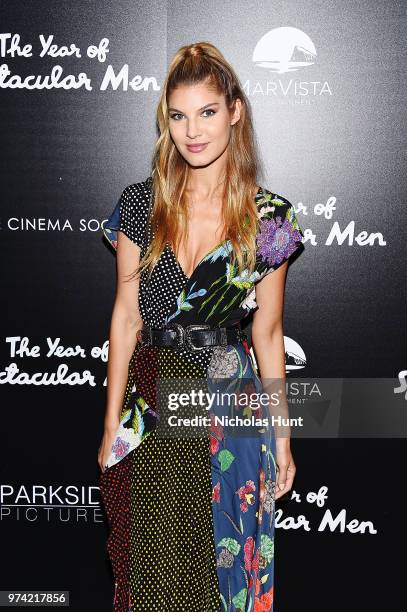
x=195, y=64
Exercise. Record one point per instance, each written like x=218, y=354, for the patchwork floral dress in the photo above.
x=192, y=518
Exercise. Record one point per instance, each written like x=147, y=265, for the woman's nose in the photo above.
x=193, y=129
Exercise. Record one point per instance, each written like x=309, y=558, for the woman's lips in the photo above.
x=197, y=148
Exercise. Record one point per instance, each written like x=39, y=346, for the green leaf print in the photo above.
x=214, y=308
x=184, y=305
x=230, y=274
x=240, y=599
x=141, y=402
x=243, y=284
x=225, y=458
x=231, y=545
x=275, y=201
x=229, y=304
x=231, y=270
x=135, y=420
x=126, y=413
x=267, y=547
x=270, y=454
x=237, y=282
x=211, y=294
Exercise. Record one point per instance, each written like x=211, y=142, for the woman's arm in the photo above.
x=125, y=323
x=268, y=344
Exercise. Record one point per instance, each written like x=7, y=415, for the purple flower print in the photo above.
x=120, y=448
x=277, y=240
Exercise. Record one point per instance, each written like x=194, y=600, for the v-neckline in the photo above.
x=181, y=269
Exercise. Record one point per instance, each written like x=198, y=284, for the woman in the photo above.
x=192, y=517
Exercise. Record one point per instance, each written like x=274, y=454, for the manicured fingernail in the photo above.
x=282, y=486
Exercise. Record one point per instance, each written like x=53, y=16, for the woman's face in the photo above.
x=200, y=123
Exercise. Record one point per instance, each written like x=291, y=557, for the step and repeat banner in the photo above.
x=79, y=86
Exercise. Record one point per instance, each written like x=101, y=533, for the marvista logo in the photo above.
x=284, y=50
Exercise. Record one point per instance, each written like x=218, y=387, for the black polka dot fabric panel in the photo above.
x=134, y=204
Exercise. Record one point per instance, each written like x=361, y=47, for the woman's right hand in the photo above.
x=105, y=447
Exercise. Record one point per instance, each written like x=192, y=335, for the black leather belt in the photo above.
x=192, y=337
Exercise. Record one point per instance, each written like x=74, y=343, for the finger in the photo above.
x=281, y=478
x=278, y=495
x=289, y=481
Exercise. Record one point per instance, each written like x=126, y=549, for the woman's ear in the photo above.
x=236, y=112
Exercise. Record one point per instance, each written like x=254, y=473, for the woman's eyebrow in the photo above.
x=202, y=108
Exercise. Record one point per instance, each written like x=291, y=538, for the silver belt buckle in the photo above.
x=188, y=330
x=180, y=331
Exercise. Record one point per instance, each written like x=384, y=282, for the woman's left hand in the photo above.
x=285, y=467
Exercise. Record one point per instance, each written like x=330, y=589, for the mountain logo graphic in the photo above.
x=284, y=50
x=295, y=358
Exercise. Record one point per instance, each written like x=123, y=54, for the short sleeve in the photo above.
x=130, y=214
x=279, y=235
x=133, y=210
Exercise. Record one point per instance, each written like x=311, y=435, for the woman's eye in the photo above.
x=176, y=116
